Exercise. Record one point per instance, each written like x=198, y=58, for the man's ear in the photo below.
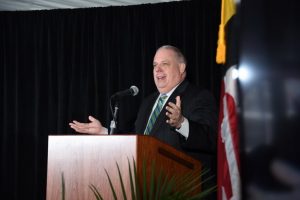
x=182, y=68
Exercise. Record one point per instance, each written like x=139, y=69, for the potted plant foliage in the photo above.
x=161, y=186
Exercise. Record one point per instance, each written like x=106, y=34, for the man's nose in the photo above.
x=158, y=68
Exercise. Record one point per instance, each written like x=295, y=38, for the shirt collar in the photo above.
x=171, y=91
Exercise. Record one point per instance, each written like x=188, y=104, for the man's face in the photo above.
x=167, y=70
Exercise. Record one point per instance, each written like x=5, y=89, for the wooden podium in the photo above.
x=82, y=160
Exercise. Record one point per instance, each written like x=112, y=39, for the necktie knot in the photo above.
x=162, y=98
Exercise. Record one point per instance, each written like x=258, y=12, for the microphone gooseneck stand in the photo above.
x=113, y=122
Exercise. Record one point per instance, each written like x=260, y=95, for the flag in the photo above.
x=228, y=9
x=229, y=180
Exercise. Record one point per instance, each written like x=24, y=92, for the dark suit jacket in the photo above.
x=198, y=106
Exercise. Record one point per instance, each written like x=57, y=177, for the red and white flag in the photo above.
x=229, y=180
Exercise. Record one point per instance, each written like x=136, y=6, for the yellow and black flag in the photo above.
x=228, y=10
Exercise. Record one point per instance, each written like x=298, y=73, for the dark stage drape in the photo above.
x=60, y=65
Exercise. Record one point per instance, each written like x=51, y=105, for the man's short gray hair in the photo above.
x=177, y=51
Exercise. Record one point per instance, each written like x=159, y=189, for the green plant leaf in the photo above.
x=170, y=185
x=121, y=183
x=96, y=192
x=131, y=181
x=158, y=185
x=163, y=187
x=204, y=193
x=137, y=188
x=152, y=181
x=111, y=185
x=187, y=184
x=63, y=187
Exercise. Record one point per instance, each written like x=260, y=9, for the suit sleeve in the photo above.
x=200, y=110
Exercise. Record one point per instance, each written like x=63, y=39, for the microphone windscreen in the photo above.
x=135, y=90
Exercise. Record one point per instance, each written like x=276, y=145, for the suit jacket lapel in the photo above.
x=148, y=110
x=162, y=116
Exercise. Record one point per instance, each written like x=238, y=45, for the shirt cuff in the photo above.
x=104, y=131
x=184, y=129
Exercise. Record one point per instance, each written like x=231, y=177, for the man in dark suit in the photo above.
x=187, y=117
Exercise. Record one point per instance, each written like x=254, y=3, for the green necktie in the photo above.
x=155, y=114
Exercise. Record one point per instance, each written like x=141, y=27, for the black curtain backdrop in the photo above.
x=60, y=65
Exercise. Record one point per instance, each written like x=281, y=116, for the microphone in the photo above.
x=132, y=91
